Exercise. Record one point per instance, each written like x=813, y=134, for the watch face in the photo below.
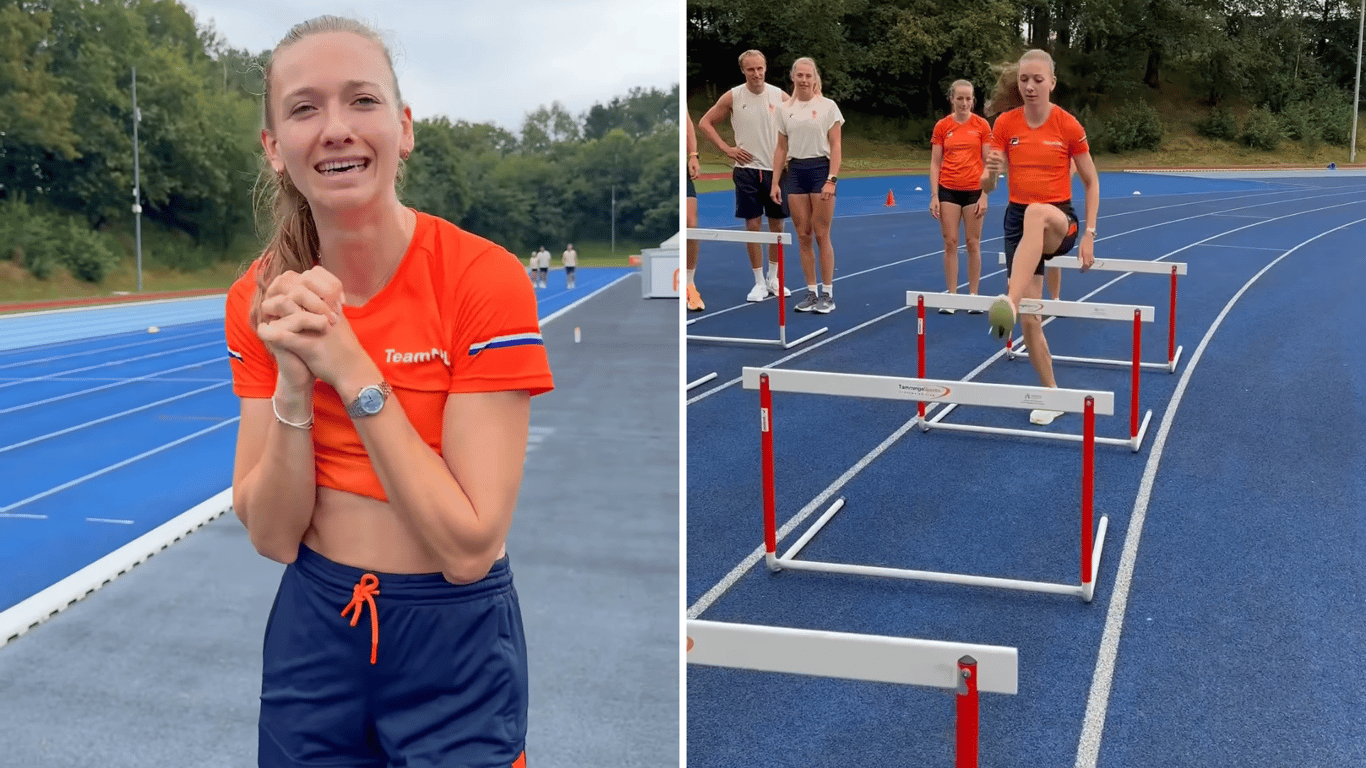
x=371, y=400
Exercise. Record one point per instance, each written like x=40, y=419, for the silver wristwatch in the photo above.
x=370, y=400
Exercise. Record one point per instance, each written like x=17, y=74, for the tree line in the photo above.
x=66, y=143
x=898, y=57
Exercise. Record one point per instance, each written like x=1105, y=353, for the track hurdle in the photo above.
x=1088, y=403
x=1081, y=309
x=965, y=668
x=1172, y=268
x=763, y=238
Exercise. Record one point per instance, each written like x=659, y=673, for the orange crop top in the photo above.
x=961, y=167
x=1040, y=171
x=457, y=316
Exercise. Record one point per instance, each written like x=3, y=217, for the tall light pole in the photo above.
x=137, y=181
x=1356, y=99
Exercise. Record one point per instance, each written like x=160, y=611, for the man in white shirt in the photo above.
x=543, y=264
x=752, y=109
x=570, y=259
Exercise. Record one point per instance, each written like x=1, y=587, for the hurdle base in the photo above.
x=1133, y=443
x=788, y=561
x=699, y=382
x=781, y=342
x=1176, y=360
x=1168, y=366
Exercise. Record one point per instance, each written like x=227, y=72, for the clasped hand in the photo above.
x=303, y=326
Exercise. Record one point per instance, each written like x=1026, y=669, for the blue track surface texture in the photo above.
x=1225, y=639
x=108, y=431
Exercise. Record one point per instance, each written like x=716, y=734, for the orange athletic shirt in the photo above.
x=1038, y=157
x=961, y=168
x=458, y=316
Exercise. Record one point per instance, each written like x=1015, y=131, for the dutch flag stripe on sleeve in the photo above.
x=510, y=340
x=235, y=355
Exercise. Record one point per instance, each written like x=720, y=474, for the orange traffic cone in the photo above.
x=891, y=201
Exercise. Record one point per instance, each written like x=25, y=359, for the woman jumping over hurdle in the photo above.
x=1037, y=141
x=958, y=152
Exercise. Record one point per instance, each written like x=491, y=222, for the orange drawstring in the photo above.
x=363, y=593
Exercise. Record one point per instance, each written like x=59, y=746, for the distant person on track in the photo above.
x=1037, y=141
x=385, y=361
x=570, y=260
x=543, y=265
x=809, y=130
x=959, y=145
x=694, y=298
x=752, y=108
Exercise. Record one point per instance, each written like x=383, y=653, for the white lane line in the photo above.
x=118, y=383
x=556, y=314
x=110, y=417
x=23, y=516
x=104, y=350
x=1097, y=702
x=119, y=465
x=108, y=520
x=112, y=362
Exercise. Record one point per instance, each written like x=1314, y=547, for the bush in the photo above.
x=1300, y=123
x=1335, y=124
x=1134, y=126
x=1262, y=130
x=1220, y=124
x=85, y=253
x=29, y=236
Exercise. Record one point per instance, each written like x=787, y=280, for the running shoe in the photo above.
x=946, y=310
x=772, y=285
x=1043, y=418
x=758, y=293
x=1001, y=316
x=695, y=299
x=825, y=304
x=808, y=303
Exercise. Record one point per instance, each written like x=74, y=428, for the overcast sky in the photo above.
x=489, y=61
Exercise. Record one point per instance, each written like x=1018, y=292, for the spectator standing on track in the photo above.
x=694, y=169
x=570, y=260
x=543, y=264
x=1038, y=141
x=809, y=133
x=385, y=361
x=752, y=108
x=958, y=151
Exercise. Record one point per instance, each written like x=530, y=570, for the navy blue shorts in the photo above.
x=753, y=195
x=1014, y=231
x=807, y=176
x=447, y=687
x=692, y=188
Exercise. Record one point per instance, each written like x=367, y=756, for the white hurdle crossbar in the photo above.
x=701, y=380
x=1138, y=266
x=769, y=238
x=966, y=668
x=1088, y=403
x=1082, y=309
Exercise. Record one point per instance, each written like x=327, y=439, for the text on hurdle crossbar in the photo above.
x=931, y=390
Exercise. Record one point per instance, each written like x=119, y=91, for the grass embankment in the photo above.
x=868, y=150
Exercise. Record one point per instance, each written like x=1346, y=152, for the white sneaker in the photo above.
x=1043, y=418
x=757, y=293
x=946, y=310
x=773, y=288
